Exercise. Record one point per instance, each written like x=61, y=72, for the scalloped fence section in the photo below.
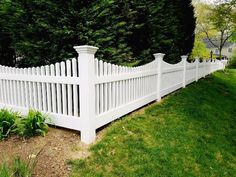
x=85, y=94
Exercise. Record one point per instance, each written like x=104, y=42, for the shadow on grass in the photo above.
x=191, y=133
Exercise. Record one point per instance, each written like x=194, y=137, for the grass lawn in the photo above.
x=192, y=132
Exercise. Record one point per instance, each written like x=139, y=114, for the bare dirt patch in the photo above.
x=57, y=147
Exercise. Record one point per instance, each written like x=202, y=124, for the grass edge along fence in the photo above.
x=86, y=93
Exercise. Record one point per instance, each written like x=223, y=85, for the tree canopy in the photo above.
x=217, y=23
x=45, y=31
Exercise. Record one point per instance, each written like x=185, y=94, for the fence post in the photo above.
x=159, y=59
x=204, y=68
x=184, y=59
x=197, y=68
x=86, y=61
x=224, y=63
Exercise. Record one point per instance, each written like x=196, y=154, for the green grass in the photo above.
x=191, y=133
x=19, y=168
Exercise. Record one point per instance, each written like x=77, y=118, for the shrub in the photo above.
x=7, y=122
x=33, y=124
x=232, y=62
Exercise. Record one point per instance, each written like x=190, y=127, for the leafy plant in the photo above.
x=7, y=122
x=32, y=124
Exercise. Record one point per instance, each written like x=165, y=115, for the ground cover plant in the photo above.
x=33, y=124
x=7, y=122
x=26, y=126
x=190, y=133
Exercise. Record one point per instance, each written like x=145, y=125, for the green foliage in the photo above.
x=217, y=23
x=19, y=168
x=33, y=124
x=187, y=134
x=7, y=122
x=134, y=30
x=200, y=50
x=4, y=171
x=232, y=61
x=30, y=125
x=44, y=32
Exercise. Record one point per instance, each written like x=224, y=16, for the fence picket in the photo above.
x=49, y=94
x=15, y=97
x=18, y=92
x=59, y=101
x=35, y=97
x=64, y=100
x=53, y=87
x=113, y=72
x=44, y=101
x=30, y=89
x=97, y=87
x=109, y=88
x=69, y=87
x=75, y=87
x=101, y=97
x=105, y=88
x=39, y=90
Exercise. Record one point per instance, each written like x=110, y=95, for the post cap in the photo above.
x=184, y=57
x=159, y=55
x=85, y=49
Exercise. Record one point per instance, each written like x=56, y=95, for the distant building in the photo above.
x=227, y=50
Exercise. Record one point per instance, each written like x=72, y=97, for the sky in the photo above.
x=209, y=1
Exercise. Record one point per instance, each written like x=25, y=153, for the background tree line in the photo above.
x=126, y=31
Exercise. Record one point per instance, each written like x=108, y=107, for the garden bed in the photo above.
x=56, y=148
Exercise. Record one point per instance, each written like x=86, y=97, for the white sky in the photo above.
x=209, y=1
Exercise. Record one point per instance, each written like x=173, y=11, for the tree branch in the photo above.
x=208, y=37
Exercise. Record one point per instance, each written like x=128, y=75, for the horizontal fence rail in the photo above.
x=85, y=94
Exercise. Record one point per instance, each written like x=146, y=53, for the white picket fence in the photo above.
x=86, y=93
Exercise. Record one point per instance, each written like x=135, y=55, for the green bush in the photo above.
x=7, y=122
x=30, y=125
x=232, y=62
x=33, y=124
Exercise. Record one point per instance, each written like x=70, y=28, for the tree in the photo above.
x=7, y=53
x=137, y=29
x=220, y=26
x=45, y=31
x=199, y=49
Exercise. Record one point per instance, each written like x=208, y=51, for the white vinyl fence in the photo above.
x=85, y=93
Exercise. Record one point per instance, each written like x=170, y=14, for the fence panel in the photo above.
x=86, y=93
x=172, y=77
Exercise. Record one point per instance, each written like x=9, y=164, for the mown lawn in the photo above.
x=190, y=133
